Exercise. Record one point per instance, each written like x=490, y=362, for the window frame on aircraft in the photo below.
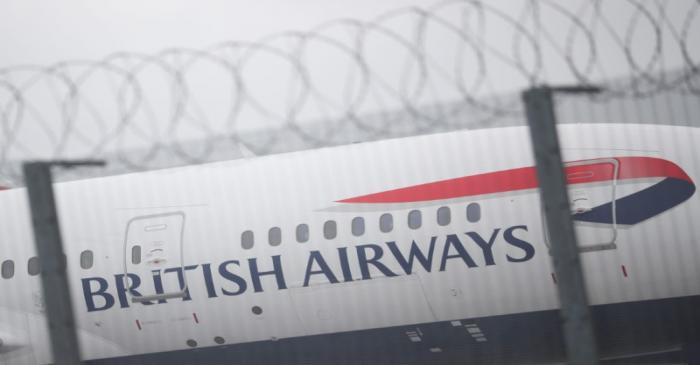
x=414, y=219
x=302, y=233
x=330, y=229
x=443, y=216
x=473, y=211
x=386, y=223
x=33, y=266
x=7, y=269
x=87, y=259
x=357, y=226
x=136, y=254
x=274, y=236
x=247, y=239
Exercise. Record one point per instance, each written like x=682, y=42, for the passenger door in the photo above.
x=592, y=197
x=152, y=244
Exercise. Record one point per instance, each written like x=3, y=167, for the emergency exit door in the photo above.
x=592, y=190
x=153, y=246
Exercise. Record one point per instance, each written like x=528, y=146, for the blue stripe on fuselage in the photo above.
x=642, y=205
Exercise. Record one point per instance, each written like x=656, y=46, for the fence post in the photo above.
x=580, y=342
x=49, y=247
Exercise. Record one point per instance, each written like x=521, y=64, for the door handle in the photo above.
x=148, y=298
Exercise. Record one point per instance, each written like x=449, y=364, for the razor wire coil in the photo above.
x=420, y=68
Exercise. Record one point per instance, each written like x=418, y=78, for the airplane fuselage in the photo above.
x=418, y=250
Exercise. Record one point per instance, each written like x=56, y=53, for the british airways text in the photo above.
x=233, y=277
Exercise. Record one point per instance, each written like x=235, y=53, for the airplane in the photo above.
x=409, y=251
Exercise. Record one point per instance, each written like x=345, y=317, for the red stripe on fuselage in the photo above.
x=524, y=178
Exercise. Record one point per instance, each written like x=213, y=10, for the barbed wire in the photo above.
x=409, y=71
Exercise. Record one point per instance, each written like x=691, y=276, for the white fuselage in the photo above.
x=491, y=261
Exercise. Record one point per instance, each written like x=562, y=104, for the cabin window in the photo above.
x=8, y=269
x=414, y=219
x=386, y=222
x=34, y=266
x=473, y=212
x=136, y=254
x=302, y=233
x=86, y=259
x=330, y=230
x=444, y=216
x=358, y=226
x=274, y=236
x=247, y=240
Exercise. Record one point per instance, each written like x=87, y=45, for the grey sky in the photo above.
x=43, y=32
x=485, y=56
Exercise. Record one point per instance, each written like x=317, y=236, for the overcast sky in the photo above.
x=43, y=32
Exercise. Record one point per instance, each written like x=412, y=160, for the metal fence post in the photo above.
x=580, y=342
x=54, y=279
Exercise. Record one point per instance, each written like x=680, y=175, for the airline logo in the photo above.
x=471, y=250
x=674, y=187
x=231, y=276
